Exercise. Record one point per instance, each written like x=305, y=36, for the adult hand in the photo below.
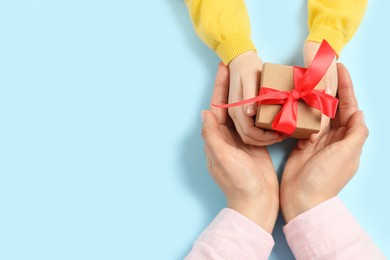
x=244, y=173
x=244, y=84
x=309, y=51
x=317, y=171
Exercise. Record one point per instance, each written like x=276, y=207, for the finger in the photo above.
x=330, y=82
x=335, y=122
x=357, y=132
x=229, y=122
x=211, y=133
x=250, y=89
x=348, y=104
x=250, y=134
x=331, y=79
x=303, y=144
x=325, y=127
x=220, y=93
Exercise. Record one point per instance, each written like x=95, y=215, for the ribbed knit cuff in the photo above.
x=334, y=37
x=234, y=45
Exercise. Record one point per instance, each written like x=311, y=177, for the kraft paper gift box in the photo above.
x=280, y=77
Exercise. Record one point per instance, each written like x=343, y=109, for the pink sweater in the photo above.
x=327, y=231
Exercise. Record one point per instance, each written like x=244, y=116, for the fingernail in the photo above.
x=202, y=115
x=250, y=109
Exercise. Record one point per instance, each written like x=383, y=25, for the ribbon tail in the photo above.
x=285, y=120
x=325, y=103
x=240, y=103
x=266, y=96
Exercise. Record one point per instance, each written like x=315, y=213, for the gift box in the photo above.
x=280, y=77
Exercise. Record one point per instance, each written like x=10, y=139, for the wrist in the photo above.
x=293, y=209
x=243, y=59
x=299, y=203
x=233, y=46
x=262, y=211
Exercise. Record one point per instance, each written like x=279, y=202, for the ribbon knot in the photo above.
x=295, y=94
x=305, y=80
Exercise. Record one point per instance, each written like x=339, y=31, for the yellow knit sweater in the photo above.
x=224, y=24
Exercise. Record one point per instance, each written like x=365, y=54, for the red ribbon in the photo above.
x=305, y=80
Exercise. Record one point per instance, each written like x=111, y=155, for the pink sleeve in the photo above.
x=232, y=236
x=329, y=231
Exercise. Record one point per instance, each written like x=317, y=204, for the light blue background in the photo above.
x=100, y=148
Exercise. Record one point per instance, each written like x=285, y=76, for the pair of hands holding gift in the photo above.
x=316, y=170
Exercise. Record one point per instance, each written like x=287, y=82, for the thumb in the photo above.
x=211, y=133
x=357, y=132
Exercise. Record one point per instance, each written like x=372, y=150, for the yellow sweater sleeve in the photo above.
x=336, y=21
x=223, y=25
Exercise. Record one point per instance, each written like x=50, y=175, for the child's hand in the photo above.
x=316, y=172
x=245, y=72
x=309, y=51
x=245, y=173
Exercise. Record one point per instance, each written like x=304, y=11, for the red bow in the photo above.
x=305, y=80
